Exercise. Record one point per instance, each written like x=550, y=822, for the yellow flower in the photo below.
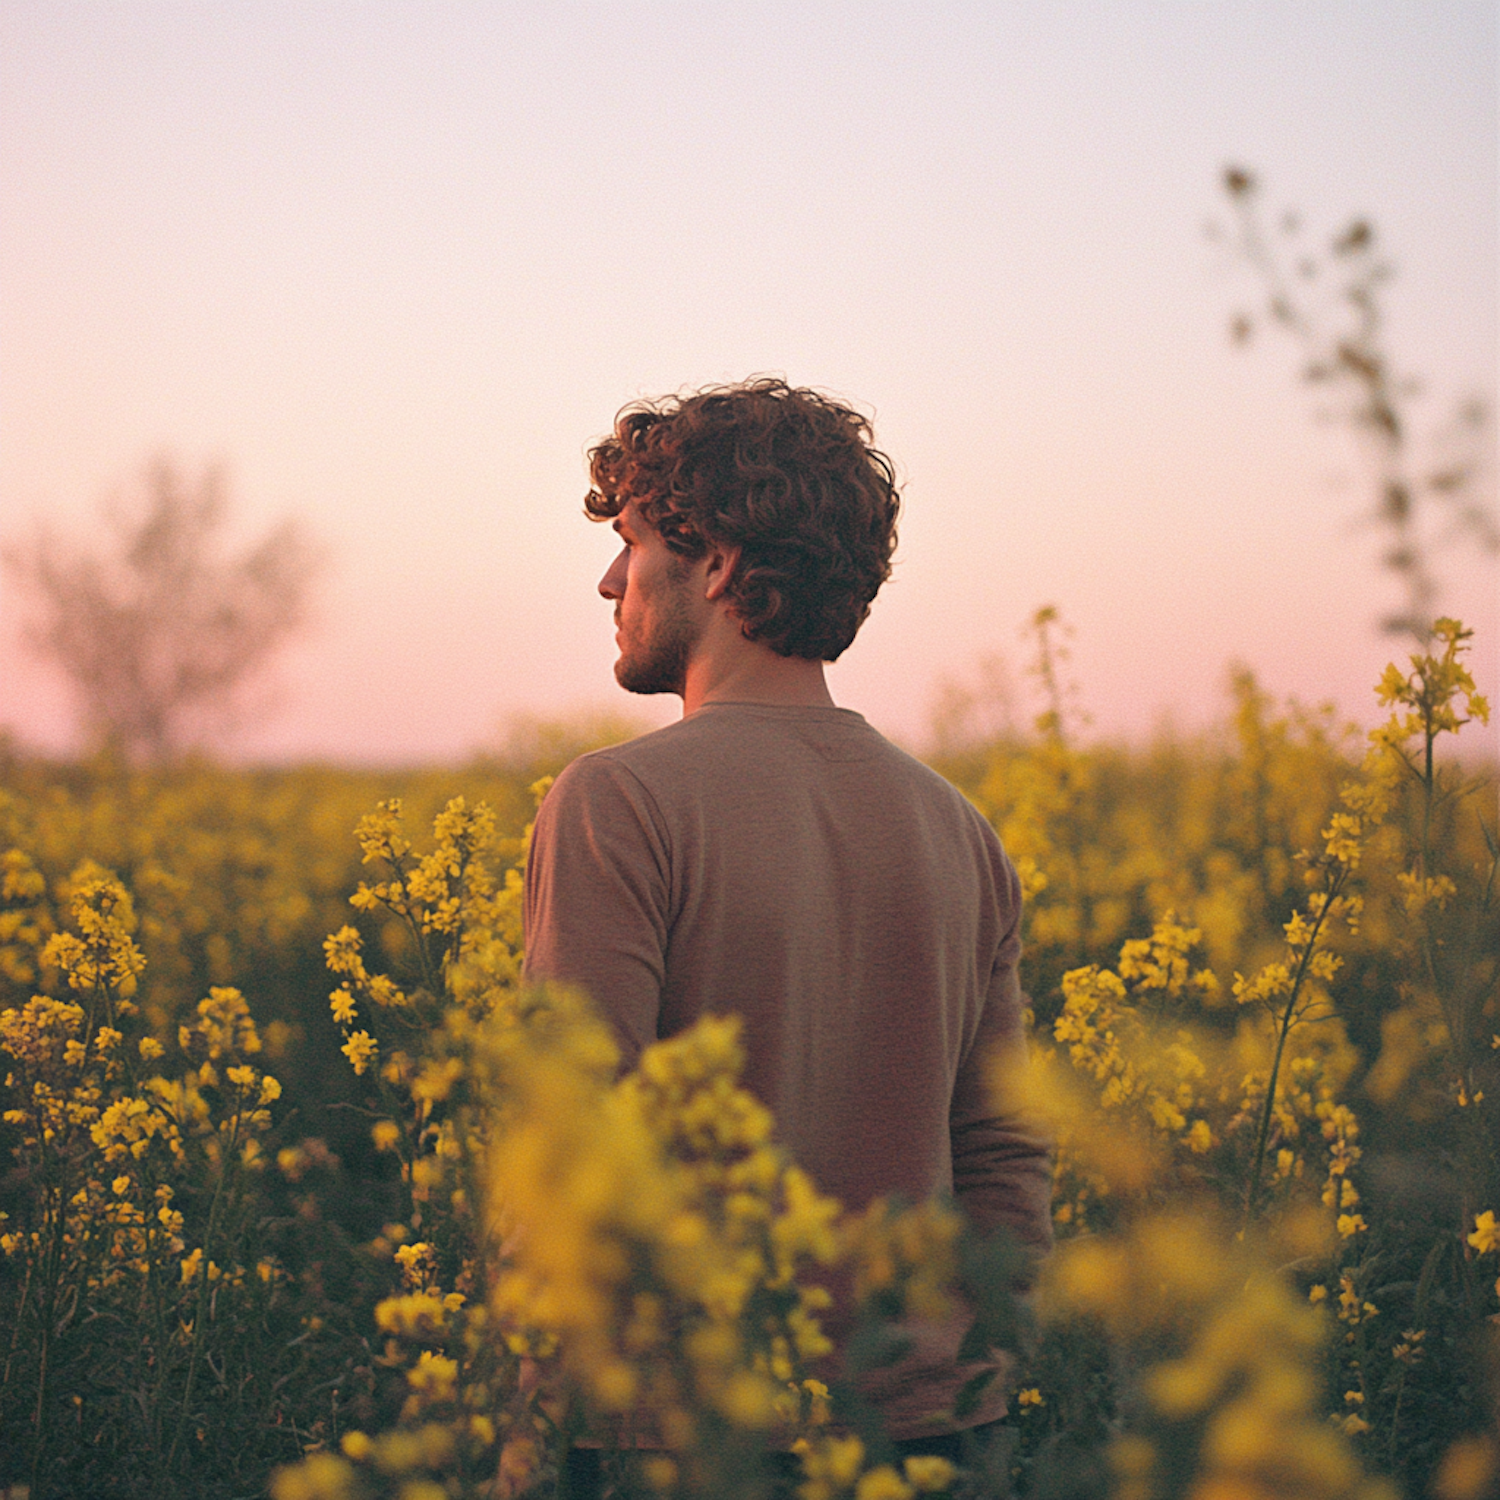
x=341, y=950
x=883, y=1483
x=357, y=1445
x=1409, y=1350
x=417, y=1315
x=1486, y=1236
x=819, y=1410
x=929, y=1473
x=1031, y=1396
x=413, y=1260
x=1350, y=1225
x=660, y=1471
x=359, y=1049
x=434, y=1373
x=1468, y=1469
x=385, y=1134
x=830, y=1464
x=748, y=1400
x=320, y=1476
x=422, y=1489
x=341, y=1002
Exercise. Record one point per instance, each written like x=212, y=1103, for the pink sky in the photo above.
x=396, y=267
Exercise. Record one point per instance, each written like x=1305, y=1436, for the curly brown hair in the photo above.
x=785, y=474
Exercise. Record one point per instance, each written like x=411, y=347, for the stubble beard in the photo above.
x=658, y=664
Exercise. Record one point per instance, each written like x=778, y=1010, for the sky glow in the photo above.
x=396, y=266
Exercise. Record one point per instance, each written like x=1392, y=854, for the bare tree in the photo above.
x=155, y=630
x=1329, y=302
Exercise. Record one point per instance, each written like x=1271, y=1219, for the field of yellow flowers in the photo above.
x=303, y=1193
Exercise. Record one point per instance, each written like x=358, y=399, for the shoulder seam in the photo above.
x=607, y=755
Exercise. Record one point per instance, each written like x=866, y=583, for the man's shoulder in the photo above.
x=744, y=744
x=631, y=779
x=630, y=762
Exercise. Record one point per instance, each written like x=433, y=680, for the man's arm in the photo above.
x=597, y=898
x=1002, y=1162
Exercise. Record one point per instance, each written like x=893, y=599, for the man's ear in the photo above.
x=721, y=565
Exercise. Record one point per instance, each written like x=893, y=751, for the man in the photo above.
x=772, y=855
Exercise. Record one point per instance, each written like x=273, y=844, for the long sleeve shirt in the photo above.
x=792, y=866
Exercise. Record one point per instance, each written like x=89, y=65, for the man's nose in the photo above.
x=612, y=585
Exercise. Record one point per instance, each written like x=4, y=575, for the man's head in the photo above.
x=786, y=478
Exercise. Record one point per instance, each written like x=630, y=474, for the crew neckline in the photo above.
x=778, y=710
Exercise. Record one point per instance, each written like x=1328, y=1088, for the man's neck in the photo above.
x=749, y=672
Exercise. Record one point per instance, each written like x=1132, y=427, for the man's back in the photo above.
x=791, y=866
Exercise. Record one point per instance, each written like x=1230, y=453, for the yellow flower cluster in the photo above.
x=641, y=1244
x=834, y=1467
x=1486, y=1235
x=654, y=1227
x=1170, y=1101
x=1154, y=1092
x=449, y=892
x=1236, y=1373
x=428, y=1050
x=1437, y=696
x=1111, y=1035
x=907, y=1259
x=23, y=918
x=107, y=1143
